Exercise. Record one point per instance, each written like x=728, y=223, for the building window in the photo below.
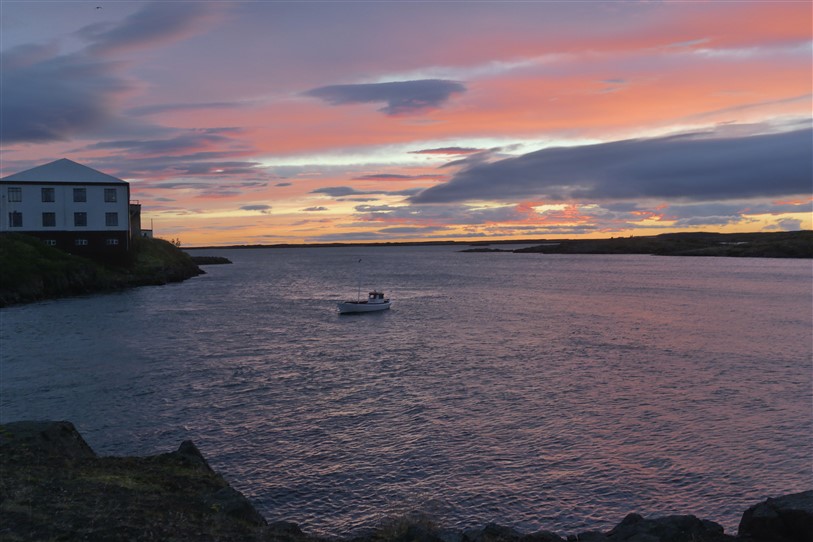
x=80, y=195
x=50, y=242
x=111, y=219
x=15, y=219
x=111, y=242
x=48, y=195
x=48, y=220
x=15, y=194
x=80, y=242
x=110, y=195
x=80, y=219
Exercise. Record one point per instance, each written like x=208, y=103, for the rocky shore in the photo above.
x=31, y=271
x=54, y=487
x=798, y=244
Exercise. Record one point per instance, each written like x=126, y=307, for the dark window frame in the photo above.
x=15, y=219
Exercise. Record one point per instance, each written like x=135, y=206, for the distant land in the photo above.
x=748, y=245
x=798, y=244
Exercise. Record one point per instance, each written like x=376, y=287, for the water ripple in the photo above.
x=558, y=392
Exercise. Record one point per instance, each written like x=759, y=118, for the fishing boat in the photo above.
x=375, y=302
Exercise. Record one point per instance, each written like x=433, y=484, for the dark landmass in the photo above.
x=54, y=487
x=210, y=260
x=766, y=245
x=487, y=250
x=32, y=271
x=751, y=245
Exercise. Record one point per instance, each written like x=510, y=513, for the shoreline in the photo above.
x=797, y=244
x=54, y=486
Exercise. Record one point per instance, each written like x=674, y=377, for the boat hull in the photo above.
x=354, y=306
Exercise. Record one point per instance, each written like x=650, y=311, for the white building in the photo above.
x=69, y=206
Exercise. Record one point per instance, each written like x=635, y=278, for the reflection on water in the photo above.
x=536, y=391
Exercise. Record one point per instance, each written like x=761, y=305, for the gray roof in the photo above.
x=62, y=171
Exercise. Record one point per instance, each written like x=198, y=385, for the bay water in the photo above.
x=535, y=391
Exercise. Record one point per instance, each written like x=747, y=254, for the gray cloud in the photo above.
x=788, y=224
x=163, y=108
x=448, y=150
x=689, y=167
x=310, y=209
x=344, y=191
x=400, y=97
x=264, y=209
x=394, y=177
x=48, y=97
x=155, y=24
x=189, y=141
x=434, y=214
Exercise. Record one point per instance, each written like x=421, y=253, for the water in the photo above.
x=536, y=391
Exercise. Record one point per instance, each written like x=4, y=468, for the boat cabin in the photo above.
x=376, y=297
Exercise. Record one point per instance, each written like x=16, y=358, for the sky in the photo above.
x=272, y=122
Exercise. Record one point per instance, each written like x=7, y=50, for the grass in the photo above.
x=31, y=270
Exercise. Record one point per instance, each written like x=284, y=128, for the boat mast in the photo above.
x=358, y=297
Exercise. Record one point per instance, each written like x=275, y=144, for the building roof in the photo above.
x=62, y=171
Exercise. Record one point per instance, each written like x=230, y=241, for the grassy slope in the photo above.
x=30, y=270
x=754, y=245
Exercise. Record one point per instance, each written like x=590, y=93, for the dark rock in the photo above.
x=210, y=260
x=286, y=531
x=588, y=536
x=189, y=452
x=634, y=528
x=232, y=503
x=542, y=536
x=285, y=527
x=54, y=440
x=783, y=519
x=492, y=533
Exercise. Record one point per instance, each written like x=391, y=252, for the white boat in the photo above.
x=375, y=302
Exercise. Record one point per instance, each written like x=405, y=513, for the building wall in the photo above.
x=64, y=207
x=98, y=234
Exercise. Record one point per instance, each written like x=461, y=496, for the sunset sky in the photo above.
x=304, y=122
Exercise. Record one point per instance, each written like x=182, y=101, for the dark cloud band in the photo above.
x=691, y=167
x=400, y=97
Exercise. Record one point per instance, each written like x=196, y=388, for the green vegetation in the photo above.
x=752, y=245
x=54, y=487
x=210, y=260
x=31, y=271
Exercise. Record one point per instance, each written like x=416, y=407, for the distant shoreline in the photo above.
x=798, y=244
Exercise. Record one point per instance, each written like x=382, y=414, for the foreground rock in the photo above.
x=785, y=518
x=54, y=487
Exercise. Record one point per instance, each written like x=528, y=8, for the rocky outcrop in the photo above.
x=31, y=271
x=54, y=487
x=783, y=519
x=634, y=528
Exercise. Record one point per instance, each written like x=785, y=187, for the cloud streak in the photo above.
x=690, y=167
x=156, y=24
x=51, y=97
x=400, y=97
